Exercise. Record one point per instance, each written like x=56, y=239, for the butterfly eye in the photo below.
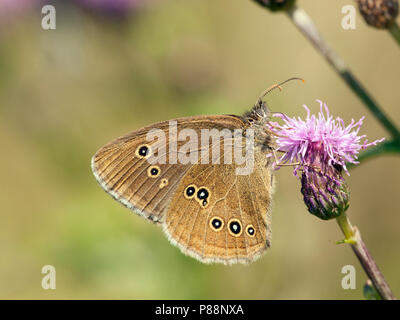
x=216, y=223
x=143, y=151
x=153, y=171
x=250, y=230
x=190, y=191
x=235, y=227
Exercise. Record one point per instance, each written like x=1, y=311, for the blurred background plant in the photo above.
x=104, y=72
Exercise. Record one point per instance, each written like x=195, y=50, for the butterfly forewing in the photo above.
x=123, y=172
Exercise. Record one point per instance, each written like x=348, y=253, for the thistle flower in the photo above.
x=117, y=8
x=12, y=10
x=379, y=13
x=321, y=146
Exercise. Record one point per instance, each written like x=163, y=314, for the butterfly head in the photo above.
x=257, y=119
x=259, y=114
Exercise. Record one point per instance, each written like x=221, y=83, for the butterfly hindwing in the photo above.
x=234, y=226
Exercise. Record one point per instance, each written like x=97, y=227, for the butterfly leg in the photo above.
x=277, y=164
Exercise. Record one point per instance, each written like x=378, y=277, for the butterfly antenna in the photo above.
x=277, y=85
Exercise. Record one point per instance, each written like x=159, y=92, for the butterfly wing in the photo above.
x=235, y=225
x=122, y=168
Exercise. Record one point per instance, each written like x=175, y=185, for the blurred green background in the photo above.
x=66, y=92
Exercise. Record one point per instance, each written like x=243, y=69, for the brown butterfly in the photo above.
x=206, y=208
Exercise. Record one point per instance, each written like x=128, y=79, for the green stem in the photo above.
x=395, y=32
x=362, y=93
x=304, y=23
x=353, y=237
x=345, y=226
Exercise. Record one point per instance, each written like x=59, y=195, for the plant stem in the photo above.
x=395, y=32
x=353, y=236
x=304, y=23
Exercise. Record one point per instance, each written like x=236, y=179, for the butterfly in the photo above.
x=204, y=204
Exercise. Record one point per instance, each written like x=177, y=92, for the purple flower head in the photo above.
x=111, y=7
x=12, y=9
x=319, y=141
x=321, y=146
